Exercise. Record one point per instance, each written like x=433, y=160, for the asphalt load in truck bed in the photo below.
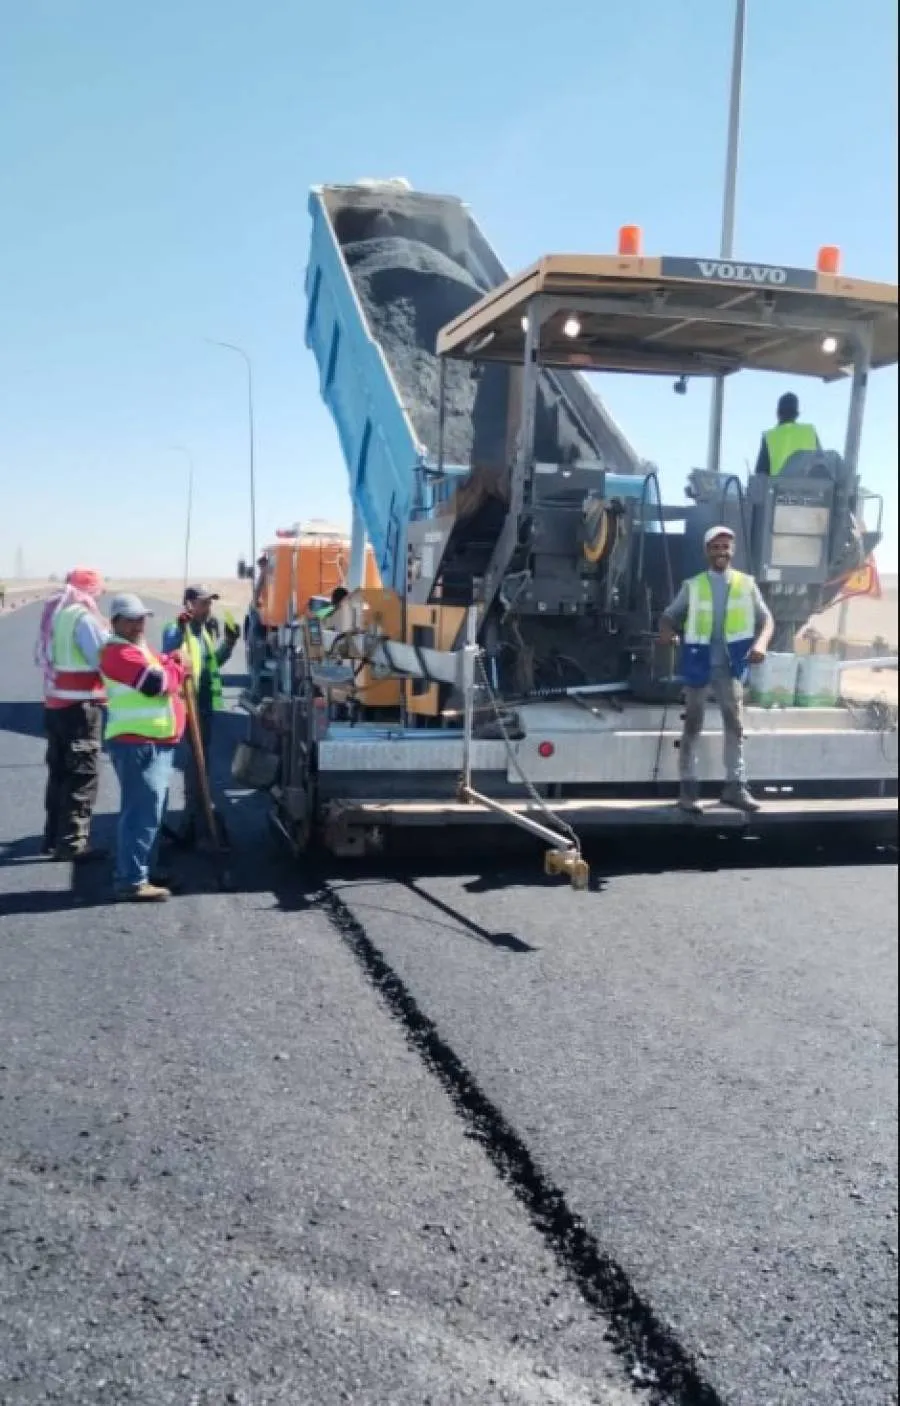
x=409, y=290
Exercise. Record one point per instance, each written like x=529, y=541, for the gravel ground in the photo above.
x=409, y=291
x=459, y=1136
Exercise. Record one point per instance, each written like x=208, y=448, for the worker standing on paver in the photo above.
x=724, y=625
x=145, y=724
x=786, y=438
x=71, y=635
x=191, y=634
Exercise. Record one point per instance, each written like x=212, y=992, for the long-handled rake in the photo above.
x=218, y=835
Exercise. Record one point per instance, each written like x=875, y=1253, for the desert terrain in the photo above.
x=866, y=619
x=235, y=595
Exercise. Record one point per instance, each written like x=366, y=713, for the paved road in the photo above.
x=448, y=1136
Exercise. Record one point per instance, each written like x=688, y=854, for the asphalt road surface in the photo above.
x=451, y=1134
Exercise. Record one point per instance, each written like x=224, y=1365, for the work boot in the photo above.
x=689, y=798
x=143, y=893
x=739, y=798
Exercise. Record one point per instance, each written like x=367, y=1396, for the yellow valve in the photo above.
x=570, y=864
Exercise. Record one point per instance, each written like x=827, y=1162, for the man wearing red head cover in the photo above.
x=72, y=634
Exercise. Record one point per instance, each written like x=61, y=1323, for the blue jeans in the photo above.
x=144, y=771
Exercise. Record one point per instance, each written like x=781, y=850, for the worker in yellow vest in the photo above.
x=145, y=723
x=724, y=625
x=322, y=612
x=786, y=438
x=191, y=635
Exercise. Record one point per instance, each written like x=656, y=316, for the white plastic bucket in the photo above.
x=818, y=681
x=773, y=683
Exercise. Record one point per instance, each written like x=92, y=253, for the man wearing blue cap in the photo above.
x=191, y=634
x=724, y=624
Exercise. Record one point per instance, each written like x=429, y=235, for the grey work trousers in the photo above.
x=728, y=693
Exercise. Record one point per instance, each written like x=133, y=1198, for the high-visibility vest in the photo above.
x=787, y=439
x=739, y=629
x=192, y=643
x=130, y=713
x=74, y=680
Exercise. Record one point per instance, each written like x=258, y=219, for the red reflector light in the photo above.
x=630, y=239
x=546, y=749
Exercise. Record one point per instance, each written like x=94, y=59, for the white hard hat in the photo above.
x=715, y=532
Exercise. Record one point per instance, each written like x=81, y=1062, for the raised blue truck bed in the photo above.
x=387, y=268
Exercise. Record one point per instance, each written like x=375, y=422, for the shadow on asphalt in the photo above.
x=26, y=719
x=263, y=864
x=259, y=861
x=517, y=862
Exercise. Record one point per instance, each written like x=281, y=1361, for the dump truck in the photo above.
x=296, y=571
x=525, y=550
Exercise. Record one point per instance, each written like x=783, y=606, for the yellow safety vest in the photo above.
x=130, y=713
x=67, y=657
x=739, y=627
x=785, y=440
x=195, y=654
x=740, y=613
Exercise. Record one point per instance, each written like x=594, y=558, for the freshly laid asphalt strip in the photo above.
x=697, y=1113
x=703, y=1066
x=224, y=1174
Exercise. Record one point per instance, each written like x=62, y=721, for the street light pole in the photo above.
x=180, y=449
x=230, y=346
x=726, y=246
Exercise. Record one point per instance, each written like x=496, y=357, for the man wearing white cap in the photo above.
x=145, y=722
x=724, y=625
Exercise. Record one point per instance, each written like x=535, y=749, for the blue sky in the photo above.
x=156, y=162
